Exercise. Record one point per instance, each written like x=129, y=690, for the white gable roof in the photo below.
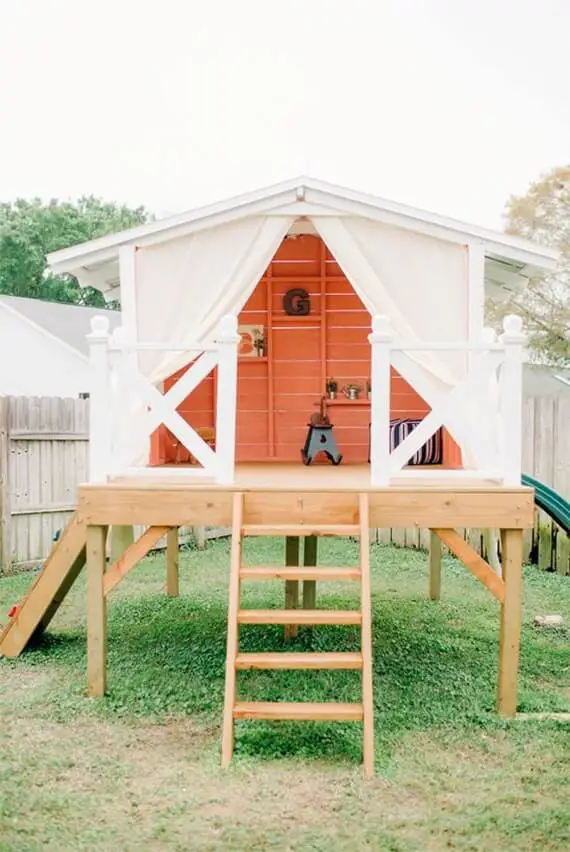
x=510, y=260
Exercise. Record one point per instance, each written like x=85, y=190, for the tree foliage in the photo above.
x=31, y=229
x=543, y=215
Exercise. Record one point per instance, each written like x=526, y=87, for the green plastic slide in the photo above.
x=550, y=502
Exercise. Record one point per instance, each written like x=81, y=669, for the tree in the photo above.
x=543, y=215
x=31, y=229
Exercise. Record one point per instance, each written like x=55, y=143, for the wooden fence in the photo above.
x=44, y=456
x=546, y=456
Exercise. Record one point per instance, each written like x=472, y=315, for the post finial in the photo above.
x=512, y=325
x=99, y=327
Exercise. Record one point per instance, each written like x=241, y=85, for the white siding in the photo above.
x=33, y=363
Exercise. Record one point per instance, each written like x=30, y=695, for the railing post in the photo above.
x=99, y=401
x=226, y=403
x=511, y=399
x=380, y=341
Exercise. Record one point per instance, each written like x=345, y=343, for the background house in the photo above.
x=543, y=380
x=43, y=347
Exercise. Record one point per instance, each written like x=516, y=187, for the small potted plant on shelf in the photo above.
x=332, y=388
x=368, y=389
x=351, y=391
x=259, y=344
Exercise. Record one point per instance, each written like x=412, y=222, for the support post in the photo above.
x=511, y=399
x=172, y=571
x=475, y=295
x=128, y=282
x=380, y=341
x=226, y=402
x=310, y=552
x=99, y=401
x=509, y=641
x=199, y=534
x=291, y=586
x=434, y=566
x=96, y=612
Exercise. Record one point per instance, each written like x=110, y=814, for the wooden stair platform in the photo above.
x=299, y=616
x=302, y=711
x=300, y=660
x=321, y=573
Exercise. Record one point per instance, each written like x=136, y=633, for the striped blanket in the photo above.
x=432, y=450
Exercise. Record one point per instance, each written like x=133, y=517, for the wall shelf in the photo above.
x=345, y=401
x=253, y=359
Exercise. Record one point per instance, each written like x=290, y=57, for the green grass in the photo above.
x=140, y=768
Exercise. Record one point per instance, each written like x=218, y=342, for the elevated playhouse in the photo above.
x=264, y=338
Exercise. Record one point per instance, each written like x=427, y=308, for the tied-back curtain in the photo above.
x=420, y=284
x=185, y=286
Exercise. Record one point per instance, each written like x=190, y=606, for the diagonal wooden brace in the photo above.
x=131, y=557
x=472, y=561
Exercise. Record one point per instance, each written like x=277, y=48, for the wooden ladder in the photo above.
x=301, y=711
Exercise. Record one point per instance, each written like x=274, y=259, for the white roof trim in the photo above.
x=295, y=195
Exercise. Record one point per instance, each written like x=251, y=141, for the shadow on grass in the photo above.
x=434, y=666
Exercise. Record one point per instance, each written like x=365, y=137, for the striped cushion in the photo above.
x=430, y=453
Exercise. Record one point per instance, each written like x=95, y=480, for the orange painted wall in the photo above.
x=278, y=393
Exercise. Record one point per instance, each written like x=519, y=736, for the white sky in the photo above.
x=450, y=105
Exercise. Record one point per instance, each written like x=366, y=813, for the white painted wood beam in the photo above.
x=128, y=276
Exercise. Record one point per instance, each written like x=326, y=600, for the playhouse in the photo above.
x=258, y=332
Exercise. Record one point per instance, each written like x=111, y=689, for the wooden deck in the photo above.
x=281, y=493
x=277, y=476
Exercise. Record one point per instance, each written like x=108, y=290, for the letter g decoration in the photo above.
x=297, y=302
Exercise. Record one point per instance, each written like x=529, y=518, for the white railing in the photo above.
x=482, y=411
x=126, y=407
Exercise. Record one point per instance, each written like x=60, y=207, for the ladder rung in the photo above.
x=301, y=529
x=320, y=572
x=299, y=616
x=309, y=660
x=297, y=711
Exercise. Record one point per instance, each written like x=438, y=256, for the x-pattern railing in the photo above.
x=127, y=407
x=489, y=434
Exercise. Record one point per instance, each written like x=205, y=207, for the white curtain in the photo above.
x=420, y=284
x=185, y=286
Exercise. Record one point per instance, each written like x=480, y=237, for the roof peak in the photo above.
x=298, y=196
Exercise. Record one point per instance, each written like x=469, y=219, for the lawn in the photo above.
x=140, y=769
